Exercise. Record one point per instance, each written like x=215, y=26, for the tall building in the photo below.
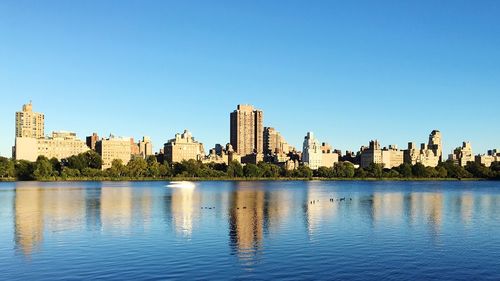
x=312, y=154
x=92, y=140
x=429, y=155
x=436, y=144
x=247, y=130
x=114, y=148
x=145, y=147
x=183, y=147
x=392, y=157
x=371, y=154
x=274, y=142
x=60, y=145
x=462, y=155
x=29, y=124
x=329, y=157
x=424, y=155
x=487, y=160
x=388, y=157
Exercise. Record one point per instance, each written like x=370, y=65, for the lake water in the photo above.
x=250, y=230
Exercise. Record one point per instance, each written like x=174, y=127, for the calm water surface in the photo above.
x=250, y=230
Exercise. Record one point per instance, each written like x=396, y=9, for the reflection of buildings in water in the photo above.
x=247, y=218
x=143, y=207
x=28, y=218
x=116, y=208
x=185, y=208
x=428, y=206
x=466, y=207
x=321, y=210
x=276, y=209
x=38, y=208
x=93, y=208
x=64, y=208
x=388, y=206
x=488, y=205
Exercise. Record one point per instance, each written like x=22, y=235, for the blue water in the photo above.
x=250, y=230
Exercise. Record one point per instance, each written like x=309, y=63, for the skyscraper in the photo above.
x=29, y=124
x=247, y=130
x=311, y=152
x=435, y=144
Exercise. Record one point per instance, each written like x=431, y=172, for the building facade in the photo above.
x=92, y=140
x=145, y=147
x=462, y=155
x=247, y=130
x=488, y=159
x=388, y=157
x=60, y=145
x=114, y=148
x=30, y=124
x=312, y=155
x=430, y=154
x=329, y=157
x=183, y=147
x=435, y=144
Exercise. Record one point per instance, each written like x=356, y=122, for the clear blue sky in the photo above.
x=350, y=71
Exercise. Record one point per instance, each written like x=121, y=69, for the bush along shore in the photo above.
x=87, y=167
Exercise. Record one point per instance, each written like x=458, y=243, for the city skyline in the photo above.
x=160, y=68
x=250, y=142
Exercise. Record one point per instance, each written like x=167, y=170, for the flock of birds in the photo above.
x=342, y=199
x=332, y=200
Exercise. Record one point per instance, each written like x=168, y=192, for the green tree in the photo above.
x=76, y=162
x=88, y=159
x=455, y=171
x=56, y=166
x=70, y=173
x=117, y=169
x=24, y=170
x=418, y=170
x=92, y=159
x=269, y=170
x=325, y=172
x=165, y=170
x=91, y=173
x=478, y=170
x=405, y=170
x=188, y=168
x=495, y=170
x=235, y=170
x=304, y=172
x=7, y=169
x=431, y=172
x=153, y=166
x=390, y=173
x=43, y=168
x=375, y=170
x=360, y=173
x=251, y=171
x=343, y=170
x=137, y=167
x=441, y=172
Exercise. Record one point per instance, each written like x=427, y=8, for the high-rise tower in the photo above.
x=29, y=124
x=247, y=130
x=436, y=144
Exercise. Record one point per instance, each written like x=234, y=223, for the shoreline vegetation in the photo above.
x=87, y=167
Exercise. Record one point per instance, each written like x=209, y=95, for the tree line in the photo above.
x=87, y=166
